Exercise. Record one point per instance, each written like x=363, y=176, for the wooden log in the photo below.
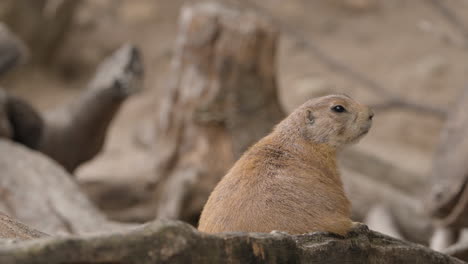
x=459, y=250
x=12, y=229
x=75, y=133
x=376, y=168
x=12, y=50
x=379, y=218
x=177, y=242
x=38, y=192
x=409, y=215
x=443, y=238
x=42, y=24
x=372, y=174
x=222, y=97
x=5, y=126
x=19, y=121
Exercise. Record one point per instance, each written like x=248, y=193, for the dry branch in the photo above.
x=12, y=50
x=75, y=133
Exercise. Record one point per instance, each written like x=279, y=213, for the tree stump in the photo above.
x=222, y=97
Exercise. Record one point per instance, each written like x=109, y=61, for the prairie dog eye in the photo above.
x=339, y=109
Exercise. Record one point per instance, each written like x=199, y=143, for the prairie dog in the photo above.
x=289, y=180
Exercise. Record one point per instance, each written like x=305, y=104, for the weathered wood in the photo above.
x=448, y=195
x=222, y=97
x=369, y=179
x=39, y=193
x=26, y=124
x=459, y=250
x=408, y=213
x=75, y=133
x=177, y=242
x=379, y=218
x=12, y=50
x=5, y=126
x=12, y=229
x=42, y=24
x=443, y=238
x=381, y=170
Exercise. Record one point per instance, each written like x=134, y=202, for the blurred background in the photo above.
x=405, y=58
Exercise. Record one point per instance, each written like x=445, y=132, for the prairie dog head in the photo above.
x=336, y=120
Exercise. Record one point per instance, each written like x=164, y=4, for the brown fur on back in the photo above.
x=285, y=182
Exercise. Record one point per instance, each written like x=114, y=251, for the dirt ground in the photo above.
x=411, y=48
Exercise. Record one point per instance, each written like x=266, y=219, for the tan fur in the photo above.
x=289, y=180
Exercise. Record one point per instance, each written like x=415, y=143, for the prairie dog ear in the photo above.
x=310, y=117
x=26, y=123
